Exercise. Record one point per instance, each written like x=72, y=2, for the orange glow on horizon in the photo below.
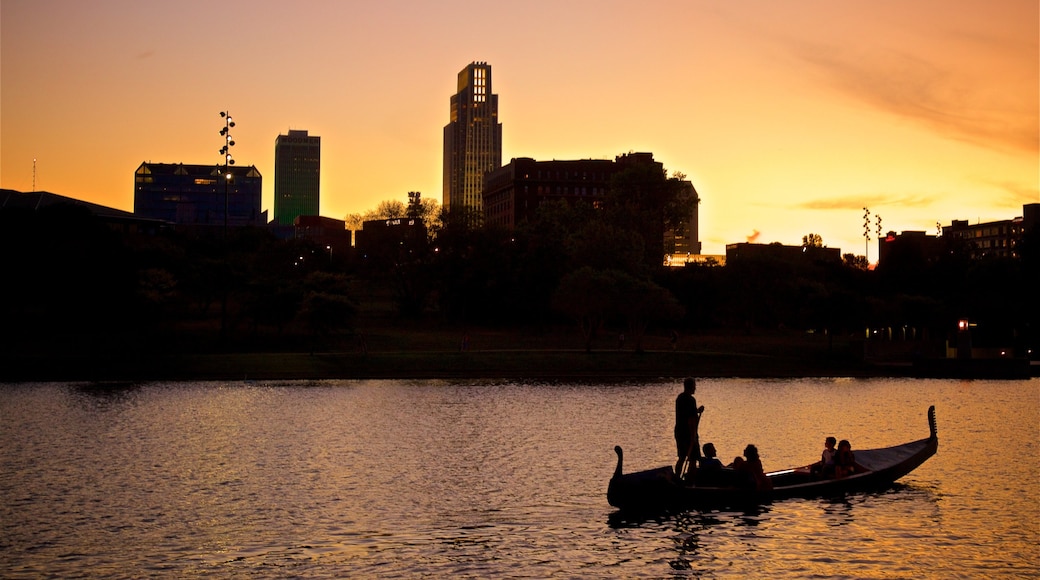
x=788, y=118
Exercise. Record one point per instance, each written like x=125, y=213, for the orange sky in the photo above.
x=789, y=117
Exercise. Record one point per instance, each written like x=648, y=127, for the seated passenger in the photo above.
x=750, y=466
x=844, y=459
x=709, y=460
x=825, y=467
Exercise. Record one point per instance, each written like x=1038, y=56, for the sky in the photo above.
x=788, y=117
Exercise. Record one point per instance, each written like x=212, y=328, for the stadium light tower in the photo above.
x=228, y=161
x=866, y=234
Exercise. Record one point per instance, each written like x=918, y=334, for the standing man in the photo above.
x=687, y=420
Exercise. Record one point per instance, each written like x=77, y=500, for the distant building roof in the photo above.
x=36, y=200
x=148, y=168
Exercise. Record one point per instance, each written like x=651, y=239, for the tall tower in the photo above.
x=297, y=169
x=472, y=139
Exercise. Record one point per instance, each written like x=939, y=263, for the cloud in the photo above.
x=952, y=103
x=145, y=54
x=1016, y=193
x=858, y=202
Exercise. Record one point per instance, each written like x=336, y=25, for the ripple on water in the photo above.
x=412, y=479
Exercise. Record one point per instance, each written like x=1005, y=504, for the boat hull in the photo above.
x=659, y=489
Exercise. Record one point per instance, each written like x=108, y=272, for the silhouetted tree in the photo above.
x=642, y=200
x=854, y=261
x=327, y=306
x=388, y=209
x=587, y=296
x=641, y=302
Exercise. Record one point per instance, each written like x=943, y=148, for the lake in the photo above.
x=402, y=479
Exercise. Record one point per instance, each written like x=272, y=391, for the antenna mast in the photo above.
x=34, y=175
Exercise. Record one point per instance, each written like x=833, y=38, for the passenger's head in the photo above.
x=830, y=442
x=709, y=450
x=690, y=384
x=844, y=445
x=751, y=452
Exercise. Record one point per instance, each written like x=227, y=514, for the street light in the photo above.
x=866, y=234
x=228, y=161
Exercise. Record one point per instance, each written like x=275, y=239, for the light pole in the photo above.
x=866, y=234
x=228, y=161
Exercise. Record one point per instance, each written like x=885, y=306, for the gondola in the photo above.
x=658, y=489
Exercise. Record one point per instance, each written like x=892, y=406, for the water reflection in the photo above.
x=456, y=478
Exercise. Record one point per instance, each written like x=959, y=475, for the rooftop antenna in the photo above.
x=34, y=175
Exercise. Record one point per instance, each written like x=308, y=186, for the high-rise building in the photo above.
x=472, y=140
x=297, y=169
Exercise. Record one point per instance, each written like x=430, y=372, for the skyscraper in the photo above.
x=297, y=169
x=472, y=139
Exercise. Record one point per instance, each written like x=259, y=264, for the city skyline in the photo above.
x=787, y=119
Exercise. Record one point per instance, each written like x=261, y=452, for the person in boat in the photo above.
x=825, y=467
x=844, y=459
x=749, y=470
x=687, y=420
x=709, y=460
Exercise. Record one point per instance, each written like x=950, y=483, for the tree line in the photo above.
x=72, y=282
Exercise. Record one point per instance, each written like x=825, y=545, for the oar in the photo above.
x=694, y=442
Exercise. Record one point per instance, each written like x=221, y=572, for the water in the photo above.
x=416, y=479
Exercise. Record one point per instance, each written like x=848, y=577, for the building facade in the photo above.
x=297, y=173
x=198, y=195
x=472, y=140
x=994, y=239
x=915, y=247
x=329, y=233
x=513, y=193
x=683, y=241
x=778, y=252
x=382, y=244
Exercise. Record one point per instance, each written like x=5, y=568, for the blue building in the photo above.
x=197, y=195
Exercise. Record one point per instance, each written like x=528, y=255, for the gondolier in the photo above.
x=687, y=421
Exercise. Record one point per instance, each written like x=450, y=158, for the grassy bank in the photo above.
x=422, y=353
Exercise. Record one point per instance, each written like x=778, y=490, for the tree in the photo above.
x=854, y=261
x=641, y=302
x=643, y=200
x=812, y=241
x=585, y=295
x=353, y=221
x=388, y=209
x=327, y=306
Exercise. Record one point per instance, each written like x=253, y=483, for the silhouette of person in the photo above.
x=825, y=466
x=844, y=459
x=687, y=420
x=750, y=468
x=709, y=459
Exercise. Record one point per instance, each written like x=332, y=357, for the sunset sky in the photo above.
x=788, y=117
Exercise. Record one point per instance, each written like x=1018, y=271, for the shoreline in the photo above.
x=480, y=364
